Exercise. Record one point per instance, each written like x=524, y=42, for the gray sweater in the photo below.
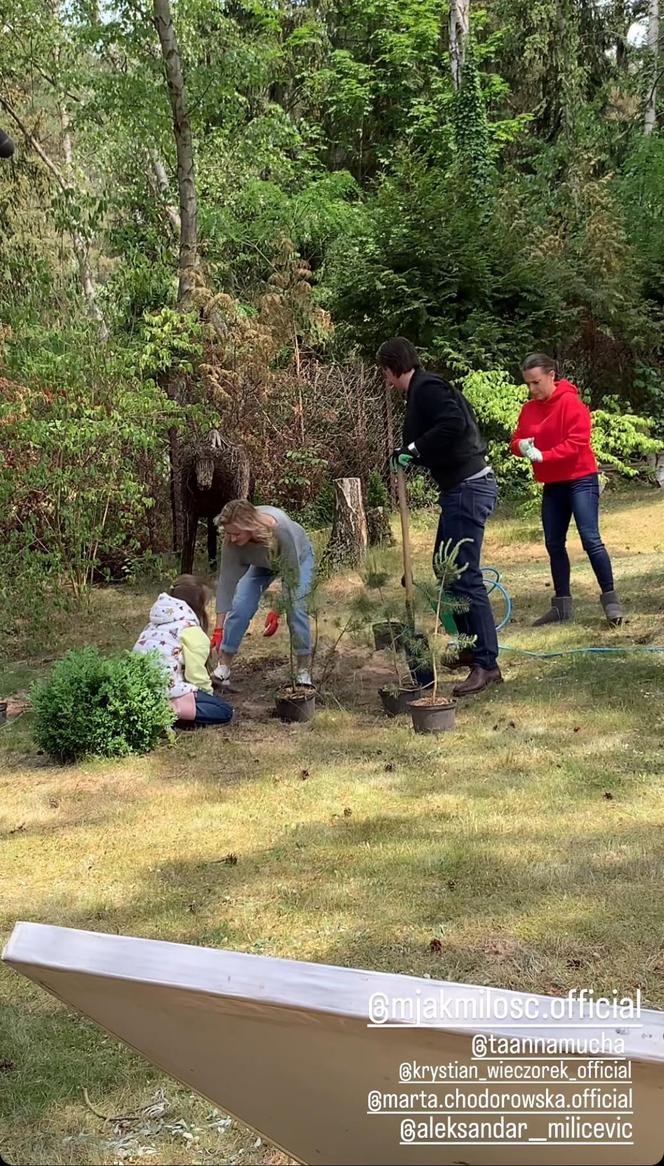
x=292, y=548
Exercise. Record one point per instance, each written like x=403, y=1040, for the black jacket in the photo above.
x=443, y=427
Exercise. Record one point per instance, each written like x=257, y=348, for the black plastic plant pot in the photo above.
x=387, y=632
x=430, y=717
x=422, y=676
x=296, y=704
x=396, y=702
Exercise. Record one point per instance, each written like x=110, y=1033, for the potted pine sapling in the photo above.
x=433, y=713
x=395, y=697
x=295, y=702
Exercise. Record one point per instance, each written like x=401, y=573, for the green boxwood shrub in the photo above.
x=101, y=706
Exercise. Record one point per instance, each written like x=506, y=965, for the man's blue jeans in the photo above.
x=561, y=501
x=248, y=596
x=464, y=512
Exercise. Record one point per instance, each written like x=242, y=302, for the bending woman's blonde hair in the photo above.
x=245, y=516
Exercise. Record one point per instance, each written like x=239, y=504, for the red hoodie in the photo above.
x=561, y=430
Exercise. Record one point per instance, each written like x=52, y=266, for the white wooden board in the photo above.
x=287, y=1048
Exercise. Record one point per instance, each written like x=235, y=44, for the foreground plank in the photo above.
x=303, y=1055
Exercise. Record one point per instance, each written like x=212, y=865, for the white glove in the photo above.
x=527, y=448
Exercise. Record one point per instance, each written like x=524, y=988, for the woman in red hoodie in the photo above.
x=554, y=433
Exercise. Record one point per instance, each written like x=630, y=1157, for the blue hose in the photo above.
x=492, y=582
x=589, y=651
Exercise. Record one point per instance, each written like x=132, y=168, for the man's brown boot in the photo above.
x=477, y=681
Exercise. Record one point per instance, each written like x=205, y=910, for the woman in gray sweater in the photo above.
x=260, y=544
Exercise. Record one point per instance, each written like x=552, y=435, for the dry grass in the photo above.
x=499, y=840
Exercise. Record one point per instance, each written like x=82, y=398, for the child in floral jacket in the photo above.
x=177, y=633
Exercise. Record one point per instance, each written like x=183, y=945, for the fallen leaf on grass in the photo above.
x=503, y=947
x=435, y=947
x=555, y=989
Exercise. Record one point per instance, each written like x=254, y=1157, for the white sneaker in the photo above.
x=223, y=673
x=303, y=679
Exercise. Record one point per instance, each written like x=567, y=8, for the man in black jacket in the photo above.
x=440, y=432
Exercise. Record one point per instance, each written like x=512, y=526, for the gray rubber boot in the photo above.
x=612, y=608
x=560, y=610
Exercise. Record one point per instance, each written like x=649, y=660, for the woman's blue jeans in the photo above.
x=248, y=595
x=560, y=502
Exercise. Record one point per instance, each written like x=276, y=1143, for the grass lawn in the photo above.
x=529, y=842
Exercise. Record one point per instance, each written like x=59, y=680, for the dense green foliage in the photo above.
x=82, y=474
x=522, y=210
x=347, y=190
x=101, y=706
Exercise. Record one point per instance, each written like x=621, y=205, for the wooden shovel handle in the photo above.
x=405, y=546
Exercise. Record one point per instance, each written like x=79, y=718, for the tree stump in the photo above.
x=656, y=462
x=379, y=527
x=349, y=537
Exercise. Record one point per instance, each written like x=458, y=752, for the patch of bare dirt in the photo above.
x=352, y=680
x=17, y=705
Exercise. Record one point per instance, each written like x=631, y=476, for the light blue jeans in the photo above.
x=247, y=597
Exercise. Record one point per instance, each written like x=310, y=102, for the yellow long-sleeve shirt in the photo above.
x=195, y=651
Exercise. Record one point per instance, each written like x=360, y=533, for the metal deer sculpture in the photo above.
x=213, y=472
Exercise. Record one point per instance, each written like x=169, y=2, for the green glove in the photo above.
x=401, y=458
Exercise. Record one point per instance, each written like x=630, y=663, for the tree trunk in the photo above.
x=177, y=510
x=653, y=61
x=621, y=22
x=163, y=20
x=174, y=387
x=459, y=25
x=656, y=461
x=161, y=186
x=80, y=244
x=66, y=182
x=348, y=541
